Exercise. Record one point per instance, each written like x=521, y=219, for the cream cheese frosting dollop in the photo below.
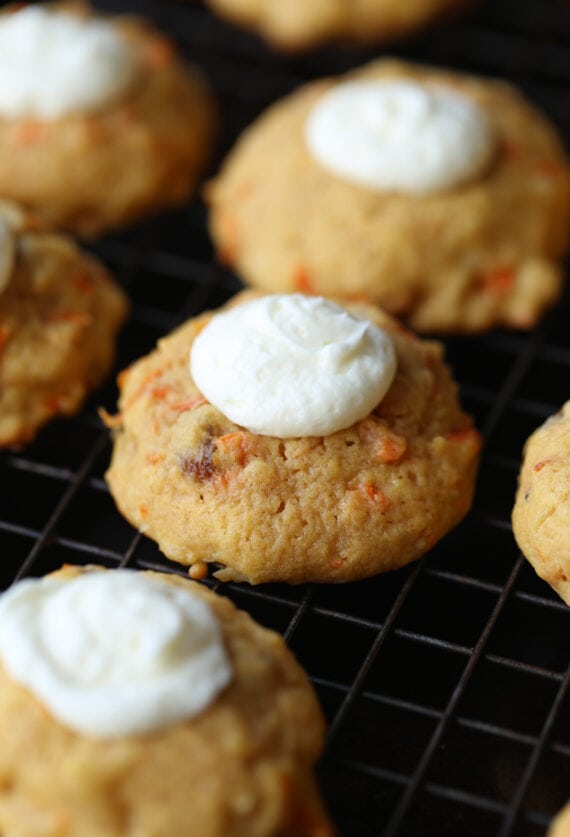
x=113, y=653
x=53, y=64
x=290, y=365
x=400, y=135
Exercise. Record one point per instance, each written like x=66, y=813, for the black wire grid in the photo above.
x=445, y=684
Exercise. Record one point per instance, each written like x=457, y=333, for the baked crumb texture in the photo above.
x=467, y=259
x=59, y=315
x=242, y=768
x=331, y=509
x=92, y=172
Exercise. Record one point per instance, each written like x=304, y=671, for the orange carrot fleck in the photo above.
x=517, y=152
x=154, y=457
x=83, y=282
x=236, y=444
x=158, y=393
x=143, y=511
x=540, y=465
x=388, y=446
x=53, y=403
x=377, y=496
x=189, y=404
x=390, y=449
x=159, y=52
x=499, y=281
x=79, y=318
x=29, y=132
x=301, y=281
x=466, y=435
x=142, y=387
x=5, y=334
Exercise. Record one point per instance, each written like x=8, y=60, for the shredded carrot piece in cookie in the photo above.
x=54, y=402
x=376, y=495
x=29, y=132
x=236, y=444
x=465, y=435
x=499, y=281
x=142, y=387
x=390, y=449
x=79, y=318
x=158, y=393
x=302, y=282
x=189, y=404
x=540, y=465
x=5, y=334
x=516, y=151
x=154, y=457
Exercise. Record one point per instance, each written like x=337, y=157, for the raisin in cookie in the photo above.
x=441, y=197
x=333, y=505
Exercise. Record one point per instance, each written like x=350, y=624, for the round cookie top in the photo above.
x=53, y=63
x=292, y=365
x=101, y=120
x=113, y=653
x=241, y=766
x=335, y=507
x=391, y=207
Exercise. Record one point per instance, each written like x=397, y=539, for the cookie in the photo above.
x=241, y=766
x=561, y=824
x=60, y=312
x=443, y=198
x=298, y=25
x=109, y=126
x=541, y=515
x=330, y=506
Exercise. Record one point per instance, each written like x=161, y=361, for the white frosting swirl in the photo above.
x=53, y=64
x=113, y=653
x=400, y=135
x=291, y=365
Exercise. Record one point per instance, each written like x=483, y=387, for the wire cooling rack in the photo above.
x=445, y=684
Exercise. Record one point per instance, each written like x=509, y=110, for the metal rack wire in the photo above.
x=445, y=684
